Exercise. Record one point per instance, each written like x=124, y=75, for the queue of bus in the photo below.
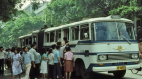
x=51, y=63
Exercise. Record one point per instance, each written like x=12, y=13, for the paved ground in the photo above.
x=103, y=75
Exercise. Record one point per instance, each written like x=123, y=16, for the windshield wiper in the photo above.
x=126, y=39
x=122, y=36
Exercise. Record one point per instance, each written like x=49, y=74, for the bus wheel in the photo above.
x=119, y=74
x=84, y=73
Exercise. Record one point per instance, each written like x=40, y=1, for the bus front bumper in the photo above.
x=114, y=68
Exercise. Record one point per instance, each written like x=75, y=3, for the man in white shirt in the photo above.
x=1, y=61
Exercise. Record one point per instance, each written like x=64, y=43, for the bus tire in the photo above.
x=119, y=74
x=84, y=73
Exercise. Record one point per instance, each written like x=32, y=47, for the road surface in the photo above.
x=102, y=75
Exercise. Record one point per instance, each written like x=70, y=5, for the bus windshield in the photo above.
x=106, y=31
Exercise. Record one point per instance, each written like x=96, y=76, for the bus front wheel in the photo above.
x=84, y=73
x=119, y=74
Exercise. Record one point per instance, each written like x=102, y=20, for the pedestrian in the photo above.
x=5, y=59
x=51, y=63
x=33, y=53
x=8, y=55
x=27, y=61
x=54, y=47
x=11, y=56
x=44, y=67
x=62, y=56
x=16, y=63
x=57, y=63
x=64, y=41
x=139, y=39
x=68, y=62
x=37, y=63
x=2, y=61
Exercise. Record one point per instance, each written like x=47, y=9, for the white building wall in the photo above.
x=28, y=7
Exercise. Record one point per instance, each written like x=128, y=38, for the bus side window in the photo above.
x=47, y=37
x=84, y=32
x=52, y=36
x=27, y=41
x=30, y=40
x=34, y=39
x=75, y=33
x=66, y=33
x=23, y=41
x=58, y=36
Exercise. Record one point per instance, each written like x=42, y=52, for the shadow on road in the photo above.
x=103, y=76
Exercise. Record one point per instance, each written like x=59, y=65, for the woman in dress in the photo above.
x=16, y=64
x=51, y=63
x=44, y=68
x=68, y=62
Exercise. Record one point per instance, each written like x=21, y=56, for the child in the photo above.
x=68, y=62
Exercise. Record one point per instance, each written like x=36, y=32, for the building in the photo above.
x=28, y=7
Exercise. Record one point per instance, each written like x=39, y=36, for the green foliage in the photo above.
x=127, y=11
x=24, y=24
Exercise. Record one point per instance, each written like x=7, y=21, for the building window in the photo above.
x=84, y=32
x=75, y=33
x=52, y=34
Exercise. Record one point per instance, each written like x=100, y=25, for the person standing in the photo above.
x=62, y=56
x=37, y=63
x=44, y=67
x=1, y=61
x=51, y=63
x=54, y=47
x=16, y=63
x=8, y=55
x=139, y=39
x=33, y=53
x=27, y=59
x=57, y=63
x=68, y=62
x=64, y=41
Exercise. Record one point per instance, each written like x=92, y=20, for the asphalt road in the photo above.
x=102, y=75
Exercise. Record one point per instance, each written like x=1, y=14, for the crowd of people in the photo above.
x=51, y=63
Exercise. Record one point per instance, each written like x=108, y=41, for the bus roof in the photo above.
x=35, y=31
x=28, y=35
x=101, y=19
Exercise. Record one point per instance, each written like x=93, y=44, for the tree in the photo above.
x=128, y=11
x=9, y=8
x=23, y=25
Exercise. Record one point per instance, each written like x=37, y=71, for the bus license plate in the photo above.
x=121, y=67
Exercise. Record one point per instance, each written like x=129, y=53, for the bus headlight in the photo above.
x=102, y=57
x=134, y=56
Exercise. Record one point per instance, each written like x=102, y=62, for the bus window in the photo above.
x=75, y=33
x=23, y=41
x=27, y=41
x=47, y=38
x=84, y=32
x=52, y=34
x=34, y=38
x=66, y=33
x=58, y=36
x=30, y=40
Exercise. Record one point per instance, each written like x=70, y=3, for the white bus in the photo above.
x=105, y=44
